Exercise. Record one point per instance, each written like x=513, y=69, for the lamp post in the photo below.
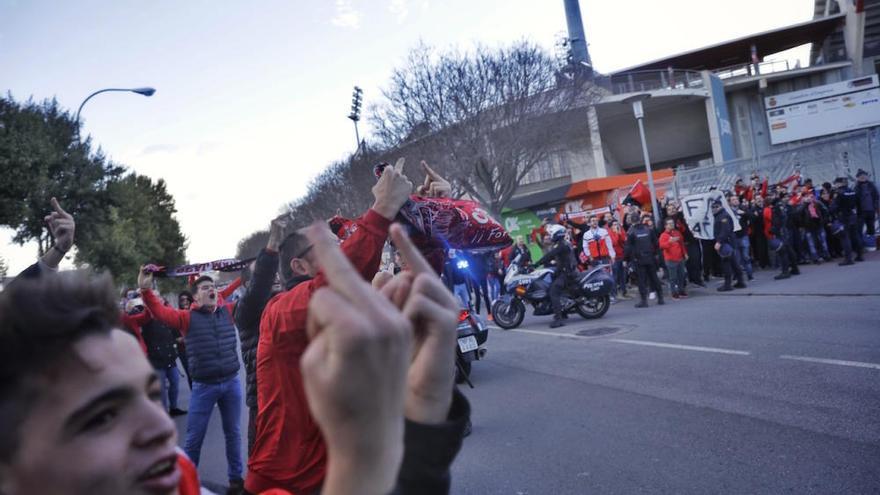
x=140, y=91
x=639, y=112
x=357, y=97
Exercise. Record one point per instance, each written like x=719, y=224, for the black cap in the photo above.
x=861, y=173
x=717, y=203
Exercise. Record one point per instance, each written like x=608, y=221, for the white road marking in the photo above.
x=681, y=347
x=839, y=362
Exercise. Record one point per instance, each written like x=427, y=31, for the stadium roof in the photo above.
x=738, y=51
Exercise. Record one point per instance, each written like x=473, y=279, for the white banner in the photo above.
x=823, y=110
x=697, y=209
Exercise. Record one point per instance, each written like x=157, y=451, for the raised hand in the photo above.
x=435, y=185
x=61, y=226
x=433, y=313
x=392, y=191
x=354, y=371
x=145, y=278
x=276, y=233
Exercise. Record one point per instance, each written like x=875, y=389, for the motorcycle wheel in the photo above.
x=508, y=316
x=593, y=308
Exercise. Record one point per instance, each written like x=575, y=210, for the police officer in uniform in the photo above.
x=725, y=244
x=562, y=254
x=844, y=208
x=641, y=249
x=779, y=228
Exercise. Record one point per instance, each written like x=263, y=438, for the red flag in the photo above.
x=638, y=195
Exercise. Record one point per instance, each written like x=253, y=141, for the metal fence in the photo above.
x=820, y=160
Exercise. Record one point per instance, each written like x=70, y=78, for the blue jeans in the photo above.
x=817, y=243
x=494, y=288
x=169, y=378
x=619, y=273
x=676, y=276
x=227, y=396
x=745, y=260
x=463, y=295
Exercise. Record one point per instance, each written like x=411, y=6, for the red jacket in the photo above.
x=618, y=241
x=134, y=323
x=672, y=246
x=768, y=222
x=289, y=451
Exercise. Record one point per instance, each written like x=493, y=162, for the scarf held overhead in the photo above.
x=225, y=265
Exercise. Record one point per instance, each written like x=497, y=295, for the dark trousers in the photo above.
x=794, y=236
x=695, y=262
x=252, y=429
x=648, y=276
x=761, y=250
x=181, y=353
x=730, y=267
x=867, y=218
x=711, y=260
x=786, y=255
x=851, y=239
x=557, y=288
x=481, y=289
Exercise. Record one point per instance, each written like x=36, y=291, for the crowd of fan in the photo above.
x=349, y=385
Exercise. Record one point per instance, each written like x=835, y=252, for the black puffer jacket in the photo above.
x=247, y=317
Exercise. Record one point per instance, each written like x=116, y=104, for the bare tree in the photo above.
x=487, y=118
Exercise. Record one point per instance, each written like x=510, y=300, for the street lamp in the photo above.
x=636, y=101
x=357, y=97
x=140, y=91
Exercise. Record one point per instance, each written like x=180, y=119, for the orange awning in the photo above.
x=588, y=186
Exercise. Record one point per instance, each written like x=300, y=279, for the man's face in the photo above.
x=716, y=209
x=184, y=302
x=594, y=222
x=97, y=426
x=670, y=226
x=670, y=209
x=759, y=201
x=734, y=201
x=862, y=178
x=808, y=198
x=206, y=295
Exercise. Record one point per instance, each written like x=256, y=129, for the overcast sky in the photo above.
x=252, y=97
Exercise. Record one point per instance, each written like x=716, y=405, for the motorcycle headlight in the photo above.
x=520, y=290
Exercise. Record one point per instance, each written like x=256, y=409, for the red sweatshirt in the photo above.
x=289, y=451
x=672, y=245
x=618, y=241
x=134, y=323
x=768, y=222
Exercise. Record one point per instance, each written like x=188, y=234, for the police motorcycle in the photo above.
x=472, y=334
x=590, y=298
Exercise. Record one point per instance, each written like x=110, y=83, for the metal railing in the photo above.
x=820, y=160
x=750, y=70
x=651, y=80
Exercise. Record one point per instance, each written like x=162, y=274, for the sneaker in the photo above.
x=675, y=296
x=557, y=324
x=683, y=295
x=751, y=277
x=724, y=288
x=625, y=297
x=795, y=272
x=652, y=296
x=739, y=285
x=700, y=284
x=642, y=304
x=782, y=276
x=846, y=263
x=176, y=411
x=613, y=300
x=859, y=258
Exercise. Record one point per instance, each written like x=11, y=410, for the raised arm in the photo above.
x=251, y=305
x=177, y=319
x=227, y=292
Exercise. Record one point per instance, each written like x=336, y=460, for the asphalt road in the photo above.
x=770, y=389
